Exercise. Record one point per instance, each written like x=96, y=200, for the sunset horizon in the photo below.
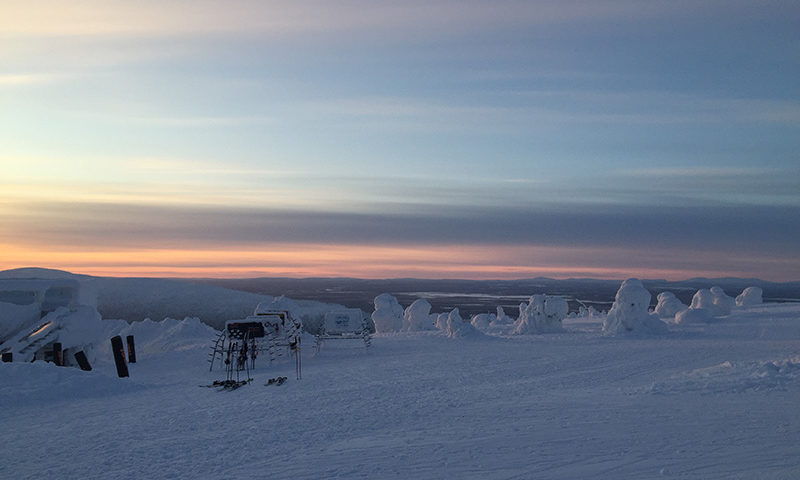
x=430, y=139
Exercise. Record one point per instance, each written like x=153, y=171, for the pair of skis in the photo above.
x=227, y=385
x=277, y=381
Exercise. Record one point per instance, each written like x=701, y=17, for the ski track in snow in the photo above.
x=704, y=401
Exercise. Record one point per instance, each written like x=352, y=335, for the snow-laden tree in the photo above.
x=668, y=305
x=458, y=328
x=750, y=296
x=542, y=314
x=388, y=314
x=630, y=311
x=715, y=301
x=418, y=316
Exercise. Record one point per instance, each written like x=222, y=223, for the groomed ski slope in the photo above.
x=706, y=401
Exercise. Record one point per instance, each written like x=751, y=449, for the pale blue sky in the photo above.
x=624, y=124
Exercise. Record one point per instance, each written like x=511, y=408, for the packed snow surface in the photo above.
x=702, y=401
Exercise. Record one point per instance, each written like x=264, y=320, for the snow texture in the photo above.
x=630, y=314
x=388, y=314
x=750, y=296
x=713, y=401
x=693, y=315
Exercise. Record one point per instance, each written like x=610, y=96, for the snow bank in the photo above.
x=693, y=315
x=630, y=313
x=668, y=305
x=542, y=314
x=750, y=296
x=40, y=382
x=418, y=316
x=169, y=335
x=733, y=377
x=483, y=321
x=281, y=303
x=714, y=300
x=388, y=314
x=458, y=328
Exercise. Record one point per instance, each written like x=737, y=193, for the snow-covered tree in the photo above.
x=750, y=296
x=630, y=311
x=388, y=314
x=668, y=305
x=542, y=314
x=418, y=316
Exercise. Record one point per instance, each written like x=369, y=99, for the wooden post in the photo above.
x=119, y=356
x=58, y=354
x=131, y=349
x=83, y=362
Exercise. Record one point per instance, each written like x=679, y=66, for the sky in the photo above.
x=377, y=139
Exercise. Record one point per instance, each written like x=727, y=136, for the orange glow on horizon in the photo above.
x=315, y=260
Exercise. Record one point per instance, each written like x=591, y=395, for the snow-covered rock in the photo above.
x=418, y=316
x=458, y=328
x=668, y=305
x=388, y=314
x=630, y=311
x=542, y=314
x=750, y=296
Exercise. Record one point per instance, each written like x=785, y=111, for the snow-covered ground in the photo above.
x=703, y=401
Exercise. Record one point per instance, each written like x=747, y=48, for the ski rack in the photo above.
x=273, y=333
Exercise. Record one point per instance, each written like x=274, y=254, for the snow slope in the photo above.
x=703, y=401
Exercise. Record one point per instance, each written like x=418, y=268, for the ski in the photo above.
x=276, y=381
x=227, y=384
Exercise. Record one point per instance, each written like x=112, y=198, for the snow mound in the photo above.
x=169, y=335
x=281, y=303
x=629, y=313
x=42, y=382
x=668, y=305
x=750, y=296
x=388, y=314
x=714, y=300
x=693, y=315
x=502, y=318
x=418, y=316
x=483, y=321
x=734, y=377
x=458, y=328
x=542, y=314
